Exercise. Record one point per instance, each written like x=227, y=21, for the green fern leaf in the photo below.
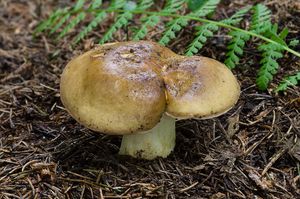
x=260, y=23
x=207, y=30
x=93, y=24
x=149, y=21
x=174, y=26
x=96, y=4
x=172, y=6
x=203, y=33
x=119, y=21
x=237, y=17
x=195, y=4
x=72, y=24
x=206, y=8
x=60, y=23
x=292, y=80
x=75, y=20
x=144, y=4
x=261, y=20
x=116, y=4
x=152, y=20
x=294, y=43
x=123, y=20
x=100, y=16
x=50, y=21
x=177, y=24
x=269, y=65
x=235, y=48
x=79, y=4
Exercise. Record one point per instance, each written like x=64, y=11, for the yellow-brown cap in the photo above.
x=116, y=88
x=199, y=87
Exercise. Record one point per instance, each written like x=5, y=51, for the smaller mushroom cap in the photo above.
x=199, y=87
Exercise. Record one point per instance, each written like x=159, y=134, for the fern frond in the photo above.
x=50, y=21
x=75, y=20
x=100, y=16
x=206, y=8
x=116, y=4
x=269, y=66
x=270, y=54
x=152, y=20
x=123, y=20
x=72, y=24
x=144, y=4
x=237, y=17
x=261, y=19
x=119, y=22
x=79, y=4
x=207, y=30
x=204, y=31
x=292, y=80
x=96, y=4
x=172, y=6
x=237, y=43
x=260, y=23
x=177, y=24
x=149, y=21
x=93, y=24
x=172, y=27
x=294, y=43
x=235, y=48
x=60, y=22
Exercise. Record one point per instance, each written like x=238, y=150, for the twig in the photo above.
x=188, y=188
x=256, y=144
x=273, y=159
x=101, y=194
x=82, y=192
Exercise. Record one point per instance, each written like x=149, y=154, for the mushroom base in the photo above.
x=157, y=142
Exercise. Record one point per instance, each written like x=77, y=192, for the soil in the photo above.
x=253, y=151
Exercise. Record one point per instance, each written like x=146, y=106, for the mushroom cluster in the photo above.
x=139, y=89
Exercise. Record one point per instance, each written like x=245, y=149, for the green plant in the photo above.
x=207, y=30
x=259, y=24
x=292, y=80
x=152, y=20
x=270, y=54
x=178, y=23
x=270, y=43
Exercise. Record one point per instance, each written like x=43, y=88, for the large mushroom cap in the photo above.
x=116, y=88
x=199, y=87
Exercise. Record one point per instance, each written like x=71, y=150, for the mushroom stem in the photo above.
x=157, y=142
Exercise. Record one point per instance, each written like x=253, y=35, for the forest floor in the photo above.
x=253, y=151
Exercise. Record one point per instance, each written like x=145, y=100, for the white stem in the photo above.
x=157, y=142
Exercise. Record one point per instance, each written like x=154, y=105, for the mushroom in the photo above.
x=139, y=89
